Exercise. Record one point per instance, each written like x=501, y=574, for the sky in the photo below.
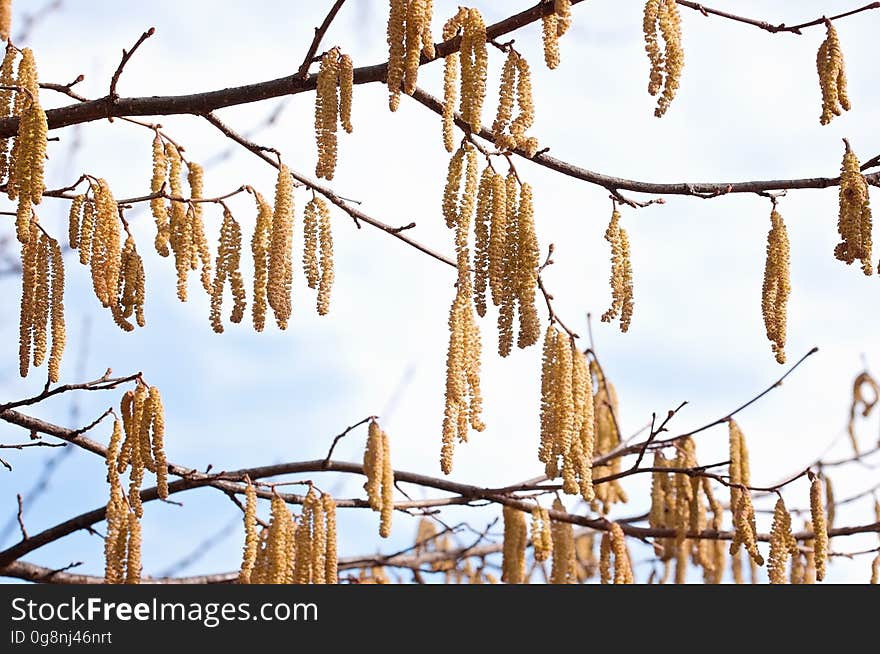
x=747, y=108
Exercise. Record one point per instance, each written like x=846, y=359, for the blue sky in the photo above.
x=747, y=108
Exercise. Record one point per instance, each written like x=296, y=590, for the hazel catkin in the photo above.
x=227, y=267
x=249, y=555
x=513, y=565
x=542, y=541
x=5, y=19
x=260, y=249
x=621, y=274
x=854, y=218
x=820, y=527
x=666, y=66
x=832, y=76
x=777, y=285
x=326, y=114
x=280, y=274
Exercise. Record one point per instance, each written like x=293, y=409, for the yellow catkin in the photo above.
x=199, y=253
x=30, y=270
x=622, y=565
x=820, y=527
x=346, y=84
x=7, y=80
x=396, y=50
x=564, y=566
x=504, y=113
x=133, y=562
x=621, y=274
x=526, y=116
x=527, y=262
x=157, y=205
x=542, y=540
x=509, y=267
x=325, y=284
x=227, y=267
x=117, y=527
x=854, y=217
x=130, y=289
x=179, y=226
x=416, y=18
x=73, y=220
x=513, y=564
x=56, y=308
x=782, y=543
x=106, y=256
x=251, y=541
x=832, y=76
x=666, y=66
x=331, y=572
x=276, y=545
x=310, y=243
x=326, y=114
x=830, y=503
x=260, y=250
x=5, y=19
x=387, y=511
x=450, y=77
x=777, y=285
x=463, y=395
x=157, y=414
x=303, y=538
x=562, y=9
x=482, y=230
x=86, y=232
x=875, y=570
x=41, y=302
x=497, y=238
x=605, y=558
x=474, y=59
x=319, y=544
x=550, y=31
x=280, y=278
x=373, y=466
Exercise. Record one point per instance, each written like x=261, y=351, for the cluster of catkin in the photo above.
x=318, y=251
x=508, y=132
x=682, y=502
x=272, y=247
x=621, y=274
x=141, y=447
x=42, y=303
x=332, y=107
x=613, y=545
x=409, y=37
x=777, y=285
x=854, y=217
x=179, y=224
x=554, y=24
x=287, y=551
x=832, y=76
x=117, y=271
x=506, y=257
x=472, y=59
x=607, y=438
x=24, y=163
x=745, y=532
x=666, y=65
x=380, y=476
x=567, y=415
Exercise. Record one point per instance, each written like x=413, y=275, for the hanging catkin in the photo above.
x=5, y=19
x=380, y=476
x=227, y=267
x=472, y=59
x=508, y=132
x=199, y=252
x=327, y=113
x=513, y=563
x=782, y=543
x=564, y=567
x=542, y=540
x=7, y=81
x=318, y=238
x=554, y=25
x=854, y=218
x=623, y=573
x=482, y=230
x=130, y=288
x=157, y=205
x=832, y=76
x=666, y=66
x=251, y=541
x=260, y=249
x=621, y=274
x=464, y=401
x=820, y=527
x=280, y=276
x=777, y=285
x=29, y=150
x=409, y=36
x=607, y=438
